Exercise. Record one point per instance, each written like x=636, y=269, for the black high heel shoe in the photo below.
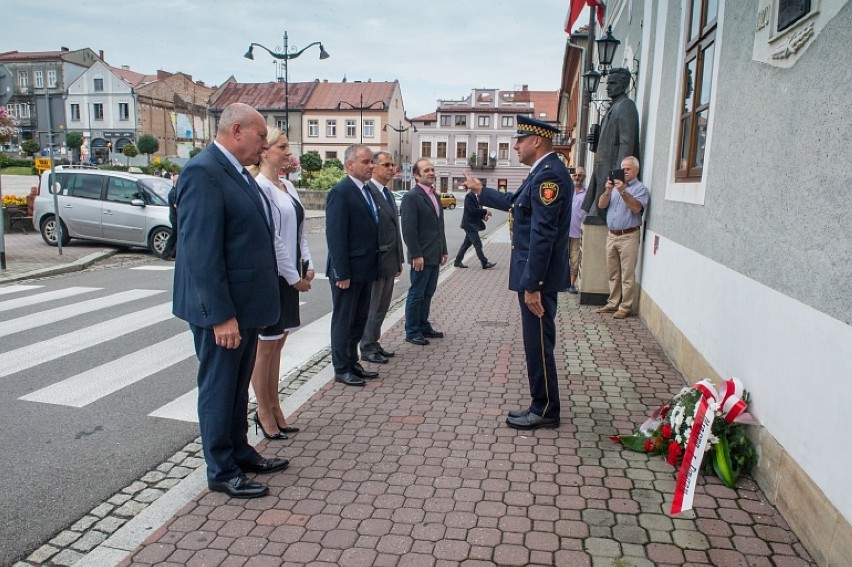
x=257, y=425
x=288, y=429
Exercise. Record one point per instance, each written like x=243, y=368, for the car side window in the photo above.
x=86, y=186
x=122, y=190
x=59, y=183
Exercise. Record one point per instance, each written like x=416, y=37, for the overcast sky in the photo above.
x=438, y=49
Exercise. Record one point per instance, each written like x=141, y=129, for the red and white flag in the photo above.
x=576, y=6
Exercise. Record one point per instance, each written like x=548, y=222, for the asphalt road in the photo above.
x=60, y=460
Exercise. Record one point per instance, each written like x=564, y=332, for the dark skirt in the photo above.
x=289, y=318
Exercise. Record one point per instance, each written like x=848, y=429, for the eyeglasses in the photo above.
x=386, y=164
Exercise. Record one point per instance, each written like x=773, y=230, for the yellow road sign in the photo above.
x=42, y=163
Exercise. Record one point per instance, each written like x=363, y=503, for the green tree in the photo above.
x=311, y=163
x=147, y=144
x=333, y=162
x=326, y=178
x=30, y=147
x=194, y=152
x=130, y=151
x=74, y=141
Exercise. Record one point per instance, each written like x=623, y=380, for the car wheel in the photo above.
x=452, y=206
x=48, y=231
x=157, y=240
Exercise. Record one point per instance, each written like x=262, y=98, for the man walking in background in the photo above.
x=473, y=221
x=391, y=257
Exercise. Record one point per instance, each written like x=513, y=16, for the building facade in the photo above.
x=745, y=266
x=474, y=134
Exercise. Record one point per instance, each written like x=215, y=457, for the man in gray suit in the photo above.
x=619, y=138
x=390, y=258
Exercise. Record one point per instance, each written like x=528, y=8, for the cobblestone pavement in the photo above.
x=418, y=467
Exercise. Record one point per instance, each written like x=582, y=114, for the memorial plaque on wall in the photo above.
x=791, y=11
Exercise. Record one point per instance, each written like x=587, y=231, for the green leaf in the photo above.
x=722, y=462
x=634, y=442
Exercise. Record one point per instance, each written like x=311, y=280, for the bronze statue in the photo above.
x=619, y=138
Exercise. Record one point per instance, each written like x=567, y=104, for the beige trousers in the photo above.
x=622, y=253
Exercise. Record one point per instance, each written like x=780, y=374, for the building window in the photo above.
x=369, y=128
x=461, y=120
x=697, y=87
x=503, y=150
x=331, y=155
x=98, y=109
x=483, y=120
x=75, y=112
x=350, y=128
x=23, y=79
x=442, y=150
x=508, y=121
x=281, y=125
x=446, y=120
x=99, y=85
x=426, y=149
x=313, y=128
x=331, y=128
x=461, y=150
x=51, y=78
x=482, y=153
x=38, y=79
x=123, y=111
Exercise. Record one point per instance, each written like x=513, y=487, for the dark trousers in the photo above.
x=381, y=293
x=349, y=310
x=419, y=301
x=171, y=242
x=223, y=380
x=539, y=340
x=471, y=237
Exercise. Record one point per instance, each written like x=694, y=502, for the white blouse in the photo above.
x=284, y=221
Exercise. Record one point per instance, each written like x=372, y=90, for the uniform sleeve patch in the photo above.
x=548, y=192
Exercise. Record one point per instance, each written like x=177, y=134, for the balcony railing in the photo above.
x=481, y=162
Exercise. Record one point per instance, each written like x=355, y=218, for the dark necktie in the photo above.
x=369, y=195
x=388, y=197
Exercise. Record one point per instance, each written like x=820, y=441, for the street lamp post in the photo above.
x=285, y=56
x=362, y=107
x=399, y=131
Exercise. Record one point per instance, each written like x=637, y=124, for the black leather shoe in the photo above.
x=239, y=487
x=374, y=357
x=349, y=379
x=519, y=412
x=264, y=465
x=532, y=421
x=417, y=341
x=459, y=265
x=359, y=371
x=433, y=334
x=288, y=429
x=488, y=265
x=385, y=353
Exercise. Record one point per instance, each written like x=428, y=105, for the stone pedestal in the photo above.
x=593, y=280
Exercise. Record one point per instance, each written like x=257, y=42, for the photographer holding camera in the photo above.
x=625, y=199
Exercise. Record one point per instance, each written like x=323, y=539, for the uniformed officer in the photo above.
x=541, y=211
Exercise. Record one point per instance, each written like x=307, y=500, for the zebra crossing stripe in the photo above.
x=46, y=296
x=38, y=353
x=17, y=288
x=87, y=387
x=28, y=322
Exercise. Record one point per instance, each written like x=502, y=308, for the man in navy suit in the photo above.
x=541, y=213
x=391, y=257
x=423, y=233
x=352, y=234
x=473, y=220
x=226, y=288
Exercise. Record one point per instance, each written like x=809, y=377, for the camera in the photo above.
x=572, y=170
x=617, y=174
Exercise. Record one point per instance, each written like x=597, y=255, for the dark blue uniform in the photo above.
x=541, y=212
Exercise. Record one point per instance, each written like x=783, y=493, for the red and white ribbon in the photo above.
x=731, y=405
x=701, y=430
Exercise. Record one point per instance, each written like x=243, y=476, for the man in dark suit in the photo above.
x=473, y=221
x=352, y=234
x=423, y=233
x=541, y=213
x=391, y=257
x=226, y=288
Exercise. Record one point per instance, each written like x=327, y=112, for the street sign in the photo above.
x=42, y=164
x=406, y=172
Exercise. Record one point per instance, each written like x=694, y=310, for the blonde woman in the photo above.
x=295, y=272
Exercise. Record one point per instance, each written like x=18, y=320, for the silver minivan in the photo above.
x=112, y=206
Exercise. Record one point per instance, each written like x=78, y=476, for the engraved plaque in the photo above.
x=791, y=11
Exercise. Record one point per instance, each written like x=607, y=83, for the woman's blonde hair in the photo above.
x=272, y=136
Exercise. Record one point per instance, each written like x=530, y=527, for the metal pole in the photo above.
x=2, y=235
x=583, y=147
x=57, y=220
x=286, y=90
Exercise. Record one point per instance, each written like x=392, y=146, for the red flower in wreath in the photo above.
x=666, y=431
x=673, y=453
x=649, y=445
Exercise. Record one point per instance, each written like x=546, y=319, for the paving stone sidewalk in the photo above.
x=418, y=467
